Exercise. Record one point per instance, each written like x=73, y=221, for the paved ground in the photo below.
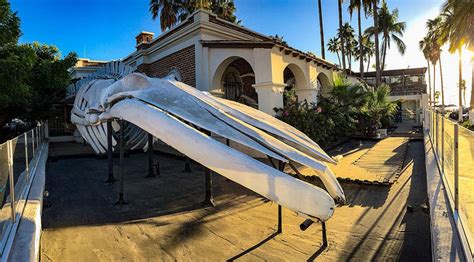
x=165, y=221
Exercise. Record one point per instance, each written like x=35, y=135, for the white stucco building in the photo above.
x=232, y=61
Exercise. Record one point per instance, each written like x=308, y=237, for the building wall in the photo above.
x=182, y=60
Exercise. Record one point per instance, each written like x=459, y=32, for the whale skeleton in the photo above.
x=176, y=113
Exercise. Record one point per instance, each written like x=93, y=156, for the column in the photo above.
x=270, y=95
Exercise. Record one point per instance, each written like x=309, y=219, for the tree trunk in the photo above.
x=321, y=30
x=442, y=84
x=433, y=101
x=460, y=84
x=368, y=64
x=361, y=60
x=338, y=58
x=376, y=36
x=343, y=53
x=384, y=52
x=429, y=80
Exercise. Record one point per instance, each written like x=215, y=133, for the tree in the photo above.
x=391, y=29
x=365, y=50
x=32, y=76
x=347, y=33
x=339, y=5
x=425, y=47
x=321, y=30
x=334, y=46
x=173, y=11
x=9, y=25
x=434, y=37
x=360, y=4
x=458, y=30
x=377, y=109
x=376, y=42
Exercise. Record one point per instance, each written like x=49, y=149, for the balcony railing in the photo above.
x=18, y=160
x=454, y=151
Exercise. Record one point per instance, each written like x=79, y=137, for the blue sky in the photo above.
x=105, y=29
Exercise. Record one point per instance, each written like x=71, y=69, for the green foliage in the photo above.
x=348, y=108
x=32, y=76
x=171, y=12
x=9, y=25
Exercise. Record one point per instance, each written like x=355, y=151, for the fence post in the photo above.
x=442, y=141
x=27, y=170
x=33, y=142
x=10, y=177
x=456, y=167
x=436, y=135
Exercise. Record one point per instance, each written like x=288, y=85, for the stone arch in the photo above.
x=234, y=79
x=323, y=84
x=294, y=79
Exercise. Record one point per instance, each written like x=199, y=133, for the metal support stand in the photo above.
x=281, y=167
x=187, y=165
x=110, y=154
x=208, y=199
x=151, y=173
x=121, y=200
x=325, y=239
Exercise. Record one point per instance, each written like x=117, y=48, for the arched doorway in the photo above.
x=294, y=80
x=323, y=85
x=237, y=83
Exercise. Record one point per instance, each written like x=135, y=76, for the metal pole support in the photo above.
x=187, y=165
x=110, y=155
x=151, y=173
x=281, y=167
x=456, y=166
x=325, y=238
x=121, y=200
x=208, y=199
x=442, y=141
x=11, y=179
x=27, y=164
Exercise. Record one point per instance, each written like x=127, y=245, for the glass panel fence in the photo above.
x=448, y=157
x=30, y=143
x=5, y=211
x=466, y=174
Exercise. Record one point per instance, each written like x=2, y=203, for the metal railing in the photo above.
x=18, y=159
x=453, y=146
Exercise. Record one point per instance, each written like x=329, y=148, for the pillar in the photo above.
x=270, y=95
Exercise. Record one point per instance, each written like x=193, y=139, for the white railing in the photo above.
x=18, y=159
x=453, y=147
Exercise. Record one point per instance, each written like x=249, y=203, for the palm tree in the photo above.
x=347, y=33
x=359, y=4
x=458, y=29
x=334, y=46
x=172, y=12
x=169, y=12
x=321, y=30
x=391, y=29
x=339, y=6
x=434, y=36
x=376, y=42
x=365, y=50
x=425, y=47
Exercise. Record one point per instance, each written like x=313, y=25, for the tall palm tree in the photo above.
x=458, y=29
x=376, y=42
x=425, y=47
x=169, y=12
x=359, y=4
x=347, y=33
x=172, y=12
x=391, y=29
x=339, y=6
x=334, y=46
x=434, y=36
x=321, y=30
x=365, y=50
